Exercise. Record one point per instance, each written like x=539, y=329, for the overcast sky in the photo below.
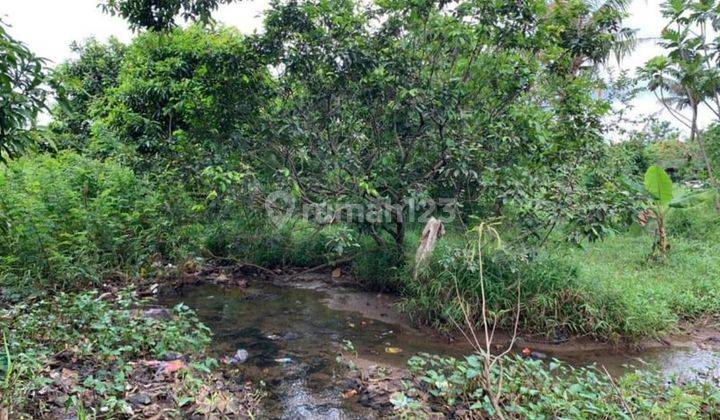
x=49, y=26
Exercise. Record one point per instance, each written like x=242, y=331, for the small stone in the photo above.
x=169, y=357
x=61, y=400
x=291, y=335
x=140, y=399
x=158, y=313
x=240, y=356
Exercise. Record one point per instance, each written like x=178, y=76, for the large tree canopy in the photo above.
x=22, y=95
x=480, y=102
x=489, y=105
x=159, y=15
x=83, y=85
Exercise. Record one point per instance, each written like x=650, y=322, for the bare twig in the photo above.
x=241, y=263
x=321, y=266
x=617, y=390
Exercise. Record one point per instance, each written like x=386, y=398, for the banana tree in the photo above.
x=660, y=188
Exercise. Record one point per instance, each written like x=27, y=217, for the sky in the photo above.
x=48, y=27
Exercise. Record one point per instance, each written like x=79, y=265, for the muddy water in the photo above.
x=688, y=363
x=293, y=337
x=293, y=334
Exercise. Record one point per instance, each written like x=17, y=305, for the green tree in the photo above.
x=161, y=15
x=22, y=94
x=480, y=102
x=82, y=86
x=186, y=100
x=687, y=76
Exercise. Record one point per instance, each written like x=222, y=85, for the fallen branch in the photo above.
x=321, y=266
x=242, y=263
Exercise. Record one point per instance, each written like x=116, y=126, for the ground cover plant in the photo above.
x=533, y=389
x=104, y=355
x=325, y=142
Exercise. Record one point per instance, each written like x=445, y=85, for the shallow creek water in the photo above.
x=293, y=334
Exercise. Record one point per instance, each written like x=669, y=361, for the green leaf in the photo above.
x=659, y=184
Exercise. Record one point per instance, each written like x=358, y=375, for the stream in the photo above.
x=293, y=333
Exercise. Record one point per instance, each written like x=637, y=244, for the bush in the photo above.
x=532, y=389
x=696, y=218
x=70, y=221
x=378, y=269
x=546, y=286
x=242, y=237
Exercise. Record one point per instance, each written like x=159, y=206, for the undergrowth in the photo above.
x=534, y=389
x=610, y=290
x=70, y=222
x=77, y=352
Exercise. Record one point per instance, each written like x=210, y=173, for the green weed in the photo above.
x=533, y=389
x=92, y=340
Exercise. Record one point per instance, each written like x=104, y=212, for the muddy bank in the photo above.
x=292, y=331
x=342, y=294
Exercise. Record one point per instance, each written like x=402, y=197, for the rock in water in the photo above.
x=240, y=356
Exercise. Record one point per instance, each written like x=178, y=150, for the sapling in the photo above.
x=660, y=188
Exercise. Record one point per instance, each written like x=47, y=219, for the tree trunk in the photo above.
x=662, y=244
x=695, y=136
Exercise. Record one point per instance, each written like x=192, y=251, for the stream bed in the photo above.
x=293, y=334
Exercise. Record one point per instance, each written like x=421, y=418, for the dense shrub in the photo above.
x=186, y=99
x=378, y=268
x=533, y=389
x=69, y=221
x=545, y=286
x=695, y=217
x=251, y=238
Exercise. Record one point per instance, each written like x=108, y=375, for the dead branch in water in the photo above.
x=326, y=265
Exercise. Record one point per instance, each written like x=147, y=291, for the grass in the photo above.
x=634, y=296
x=609, y=290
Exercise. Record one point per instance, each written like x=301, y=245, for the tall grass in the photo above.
x=609, y=289
x=70, y=221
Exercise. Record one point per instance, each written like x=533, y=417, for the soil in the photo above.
x=294, y=327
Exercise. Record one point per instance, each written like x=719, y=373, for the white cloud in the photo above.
x=247, y=16
x=48, y=27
